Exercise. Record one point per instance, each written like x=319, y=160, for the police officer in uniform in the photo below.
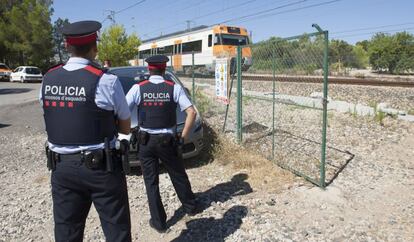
x=156, y=100
x=84, y=108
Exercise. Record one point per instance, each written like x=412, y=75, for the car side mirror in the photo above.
x=141, y=78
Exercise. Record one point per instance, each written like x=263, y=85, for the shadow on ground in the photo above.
x=4, y=91
x=4, y=125
x=212, y=229
x=221, y=192
x=301, y=155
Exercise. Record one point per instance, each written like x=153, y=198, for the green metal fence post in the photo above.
x=192, y=74
x=274, y=102
x=324, y=102
x=239, y=96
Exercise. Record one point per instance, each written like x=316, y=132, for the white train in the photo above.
x=207, y=43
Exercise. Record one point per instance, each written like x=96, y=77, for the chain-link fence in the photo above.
x=281, y=119
x=268, y=110
x=276, y=100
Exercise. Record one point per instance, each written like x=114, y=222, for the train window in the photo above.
x=210, y=40
x=168, y=50
x=144, y=54
x=217, y=39
x=165, y=50
x=192, y=46
x=228, y=39
x=161, y=50
x=177, y=49
x=233, y=30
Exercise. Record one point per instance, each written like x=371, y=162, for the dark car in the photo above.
x=130, y=76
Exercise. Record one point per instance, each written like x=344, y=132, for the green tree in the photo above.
x=116, y=46
x=405, y=48
x=392, y=53
x=341, y=54
x=364, y=44
x=26, y=32
x=59, y=41
x=361, y=57
x=382, y=53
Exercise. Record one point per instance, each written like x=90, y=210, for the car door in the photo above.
x=14, y=74
x=22, y=73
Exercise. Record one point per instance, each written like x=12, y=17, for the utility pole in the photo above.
x=188, y=24
x=111, y=15
x=133, y=24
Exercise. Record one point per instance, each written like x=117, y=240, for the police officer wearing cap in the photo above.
x=84, y=108
x=156, y=100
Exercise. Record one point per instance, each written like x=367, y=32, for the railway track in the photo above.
x=331, y=80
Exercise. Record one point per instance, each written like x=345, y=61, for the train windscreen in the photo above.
x=228, y=39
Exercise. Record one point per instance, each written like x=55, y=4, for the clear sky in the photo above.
x=350, y=20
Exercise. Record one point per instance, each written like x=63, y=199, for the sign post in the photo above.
x=222, y=72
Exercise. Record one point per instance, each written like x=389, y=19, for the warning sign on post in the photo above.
x=222, y=76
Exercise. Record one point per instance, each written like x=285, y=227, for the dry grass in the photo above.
x=41, y=179
x=263, y=174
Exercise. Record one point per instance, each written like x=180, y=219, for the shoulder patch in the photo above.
x=96, y=65
x=94, y=70
x=55, y=67
x=141, y=83
x=171, y=83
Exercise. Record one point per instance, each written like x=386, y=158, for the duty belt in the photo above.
x=106, y=158
x=77, y=156
x=94, y=159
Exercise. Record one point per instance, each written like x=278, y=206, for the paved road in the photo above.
x=18, y=93
x=19, y=108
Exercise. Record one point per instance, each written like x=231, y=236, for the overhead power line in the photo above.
x=202, y=16
x=263, y=11
x=111, y=15
x=260, y=12
x=290, y=10
x=133, y=5
x=370, y=33
x=370, y=28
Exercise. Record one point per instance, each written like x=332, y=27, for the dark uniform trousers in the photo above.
x=157, y=149
x=75, y=187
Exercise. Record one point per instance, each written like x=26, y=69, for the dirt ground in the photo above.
x=244, y=197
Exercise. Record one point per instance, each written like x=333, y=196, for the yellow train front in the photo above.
x=206, y=42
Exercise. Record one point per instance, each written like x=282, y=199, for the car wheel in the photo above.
x=22, y=80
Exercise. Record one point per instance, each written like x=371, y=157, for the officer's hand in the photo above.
x=180, y=138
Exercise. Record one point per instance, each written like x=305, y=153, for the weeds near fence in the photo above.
x=379, y=116
x=203, y=102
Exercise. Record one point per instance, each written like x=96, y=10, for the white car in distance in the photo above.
x=26, y=74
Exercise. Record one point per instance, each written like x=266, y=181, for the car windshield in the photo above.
x=129, y=76
x=32, y=70
x=2, y=66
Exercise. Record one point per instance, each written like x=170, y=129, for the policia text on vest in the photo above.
x=156, y=100
x=84, y=109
